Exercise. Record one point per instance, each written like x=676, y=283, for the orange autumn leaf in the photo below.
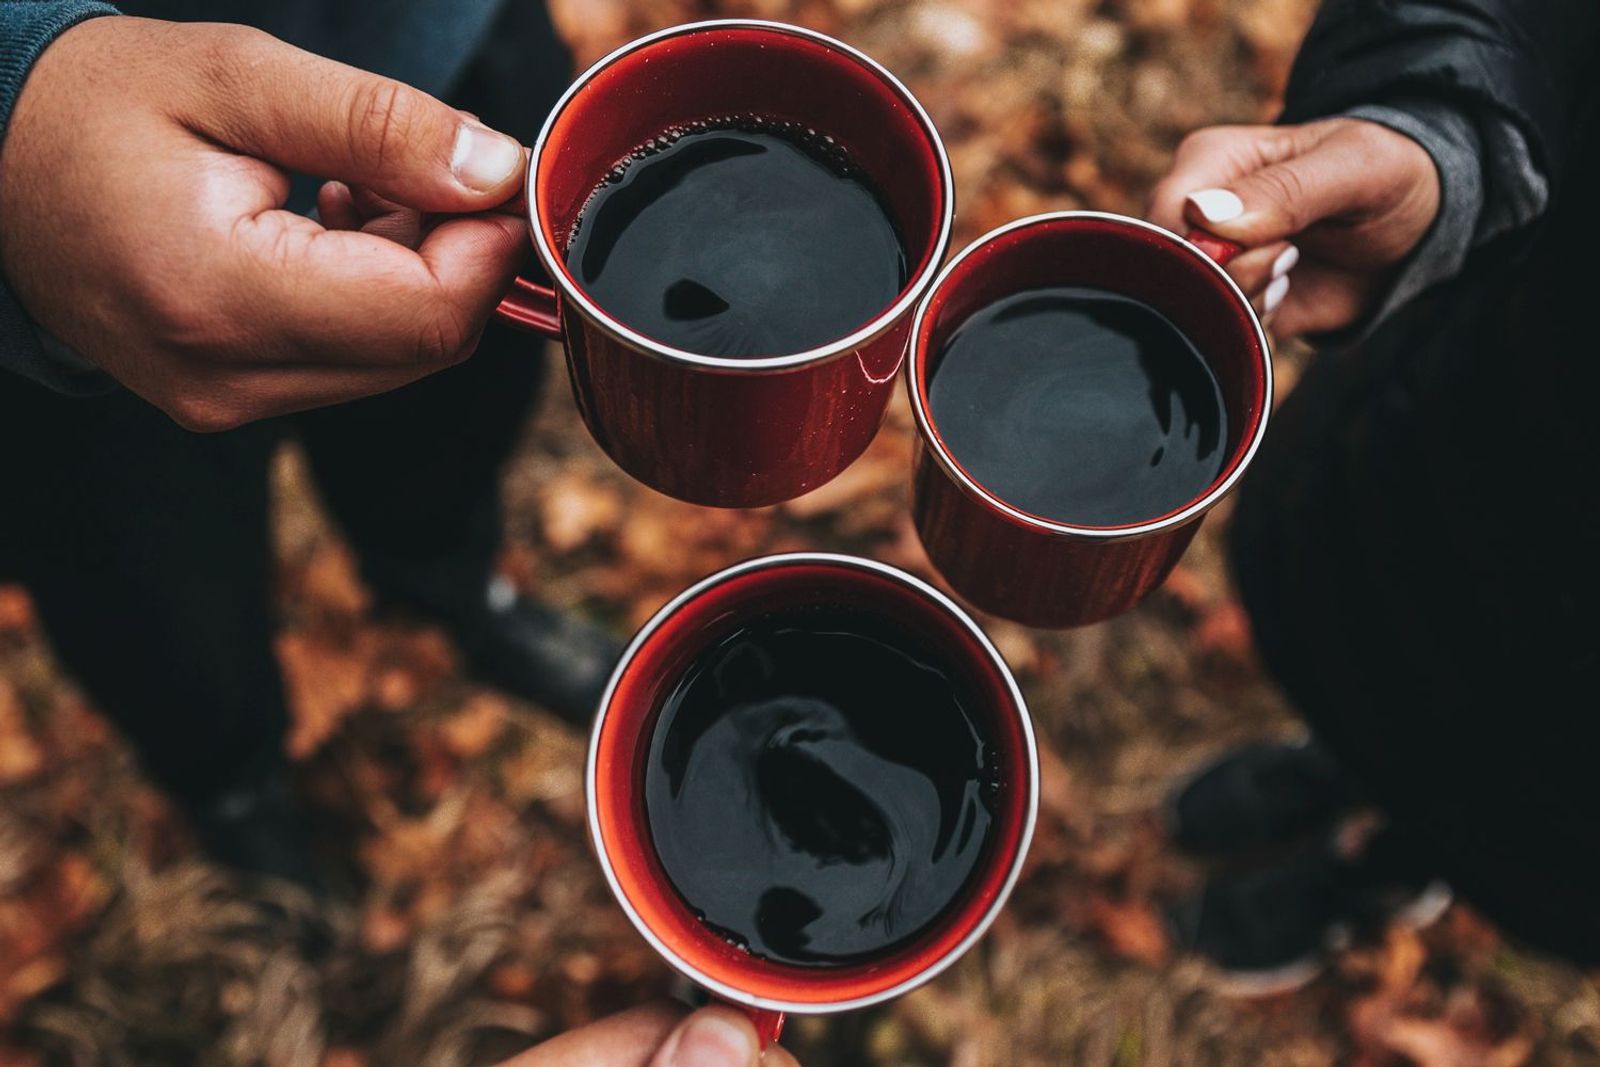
x=1130, y=928
x=16, y=609
x=1224, y=629
x=575, y=508
x=343, y=1057
x=469, y=732
x=325, y=684
x=21, y=756
x=331, y=583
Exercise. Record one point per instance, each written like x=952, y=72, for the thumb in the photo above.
x=711, y=1037
x=1329, y=180
x=304, y=113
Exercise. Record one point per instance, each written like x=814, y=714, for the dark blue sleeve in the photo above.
x=26, y=28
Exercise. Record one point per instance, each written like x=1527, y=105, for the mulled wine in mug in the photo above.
x=1086, y=387
x=811, y=784
x=739, y=218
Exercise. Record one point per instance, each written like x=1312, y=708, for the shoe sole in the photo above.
x=1421, y=912
x=1258, y=985
x=1426, y=908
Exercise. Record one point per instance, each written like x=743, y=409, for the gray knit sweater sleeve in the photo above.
x=26, y=28
x=1488, y=185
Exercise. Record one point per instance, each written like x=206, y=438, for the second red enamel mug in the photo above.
x=1038, y=570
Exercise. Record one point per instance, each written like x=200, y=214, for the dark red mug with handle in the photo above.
x=710, y=430
x=1040, y=571
x=652, y=666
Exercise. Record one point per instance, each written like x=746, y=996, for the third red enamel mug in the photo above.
x=655, y=665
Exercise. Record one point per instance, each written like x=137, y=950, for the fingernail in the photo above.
x=483, y=160
x=1274, y=295
x=712, y=1041
x=1217, y=205
x=1285, y=261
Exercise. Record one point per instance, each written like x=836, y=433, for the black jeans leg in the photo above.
x=1459, y=715
x=145, y=548
x=413, y=476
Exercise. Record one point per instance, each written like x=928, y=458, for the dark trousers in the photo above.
x=146, y=547
x=1440, y=644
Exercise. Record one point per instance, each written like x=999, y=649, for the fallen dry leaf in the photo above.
x=469, y=732
x=16, y=609
x=21, y=757
x=575, y=508
x=326, y=684
x=1130, y=928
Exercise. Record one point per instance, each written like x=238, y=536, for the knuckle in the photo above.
x=177, y=316
x=282, y=248
x=227, y=49
x=200, y=411
x=443, y=339
x=381, y=120
x=226, y=40
x=1287, y=191
x=1212, y=138
x=182, y=314
x=1197, y=142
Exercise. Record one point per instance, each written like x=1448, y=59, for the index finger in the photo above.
x=1218, y=155
x=305, y=294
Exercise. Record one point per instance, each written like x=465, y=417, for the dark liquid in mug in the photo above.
x=818, y=787
x=739, y=238
x=1081, y=406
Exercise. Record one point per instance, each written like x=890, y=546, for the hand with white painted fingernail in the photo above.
x=1272, y=299
x=1216, y=205
x=1337, y=203
x=1284, y=262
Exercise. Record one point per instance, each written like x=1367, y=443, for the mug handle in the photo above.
x=532, y=308
x=1218, y=248
x=768, y=1023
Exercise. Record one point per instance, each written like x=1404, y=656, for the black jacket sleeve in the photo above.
x=1492, y=90
x=1526, y=62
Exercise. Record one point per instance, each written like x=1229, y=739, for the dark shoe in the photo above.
x=536, y=653
x=1259, y=796
x=1269, y=931
x=259, y=829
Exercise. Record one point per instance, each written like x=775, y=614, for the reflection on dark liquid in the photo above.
x=817, y=788
x=741, y=239
x=1080, y=405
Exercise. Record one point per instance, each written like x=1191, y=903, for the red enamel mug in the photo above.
x=652, y=667
x=710, y=430
x=1036, y=570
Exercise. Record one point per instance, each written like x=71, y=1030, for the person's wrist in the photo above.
x=39, y=45
x=30, y=30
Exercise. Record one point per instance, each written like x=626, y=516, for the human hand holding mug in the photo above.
x=658, y=1035
x=1340, y=202
x=142, y=186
